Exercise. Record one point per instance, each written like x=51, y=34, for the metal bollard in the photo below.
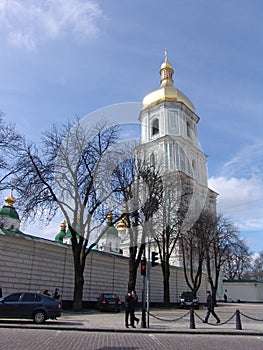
x=192, y=319
x=238, y=320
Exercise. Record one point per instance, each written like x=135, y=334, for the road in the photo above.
x=44, y=339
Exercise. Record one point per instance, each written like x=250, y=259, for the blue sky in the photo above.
x=65, y=58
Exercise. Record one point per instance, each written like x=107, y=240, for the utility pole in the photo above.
x=143, y=322
x=148, y=283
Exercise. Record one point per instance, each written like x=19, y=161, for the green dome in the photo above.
x=69, y=235
x=109, y=231
x=59, y=237
x=9, y=212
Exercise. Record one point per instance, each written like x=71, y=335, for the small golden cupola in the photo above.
x=60, y=236
x=10, y=200
x=166, y=71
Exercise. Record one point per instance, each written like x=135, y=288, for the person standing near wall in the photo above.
x=56, y=294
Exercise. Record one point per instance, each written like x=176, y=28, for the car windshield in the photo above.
x=188, y=295
x=110, y=296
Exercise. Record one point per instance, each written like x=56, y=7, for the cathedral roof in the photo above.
x=167, y=91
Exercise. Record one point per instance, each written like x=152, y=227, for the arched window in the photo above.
x=155, y=127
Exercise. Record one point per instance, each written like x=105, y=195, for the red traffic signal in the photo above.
x=143, y=267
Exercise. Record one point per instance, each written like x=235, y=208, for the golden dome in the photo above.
x=166, y=65
x=63, y=225
x=109, y=217
x=10, y=200
x=167, y=91
x=121, y=226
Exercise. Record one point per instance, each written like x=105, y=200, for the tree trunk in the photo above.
x=132, y=275
x=166, y=285
x=79, y=265
x=78, y=290
x=133, y=266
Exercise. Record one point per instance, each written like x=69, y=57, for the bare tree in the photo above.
x=219, y=243
x=193, y=252
x=238, y=261
x=256, y=270
x=166, y=229
x=134, y=177
x=10, y=141
x=70, y=173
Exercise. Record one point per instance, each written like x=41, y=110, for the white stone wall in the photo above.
x=41, y=264
x=248, y=291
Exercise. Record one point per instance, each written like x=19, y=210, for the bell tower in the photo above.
x=169, y=129
x=170, y=143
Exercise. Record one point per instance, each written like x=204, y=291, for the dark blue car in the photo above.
x=29, y=305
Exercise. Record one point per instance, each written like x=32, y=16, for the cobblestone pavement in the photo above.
x=160, y=321
x=45, y=339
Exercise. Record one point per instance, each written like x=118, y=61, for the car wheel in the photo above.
x=39, y=317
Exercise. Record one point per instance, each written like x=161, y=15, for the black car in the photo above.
x=109, y=302
x=189, y=299
x=36, y=306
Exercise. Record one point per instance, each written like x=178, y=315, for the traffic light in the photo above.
x=143, y=267
x=154, y=259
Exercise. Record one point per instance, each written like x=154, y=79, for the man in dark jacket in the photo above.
x=129, y=310
x=134, y=303
x=131, y=300
x=210, y=308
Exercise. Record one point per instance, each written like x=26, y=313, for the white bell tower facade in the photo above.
x=169, y=129
x=170, y=144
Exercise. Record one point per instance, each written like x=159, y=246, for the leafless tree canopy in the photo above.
x=10, y=141
x=69, y=172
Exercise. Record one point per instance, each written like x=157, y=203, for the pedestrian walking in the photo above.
x=225, y=296
x=134, y=304
x=46, y=292
x=210, y=304
x=128, y=310
x=131, y=300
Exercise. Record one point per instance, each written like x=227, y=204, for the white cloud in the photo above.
x=29, y=22
x=240, y=187
x=241, y=199
x=247, y=162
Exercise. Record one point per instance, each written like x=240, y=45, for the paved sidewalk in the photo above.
x=160, y=320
